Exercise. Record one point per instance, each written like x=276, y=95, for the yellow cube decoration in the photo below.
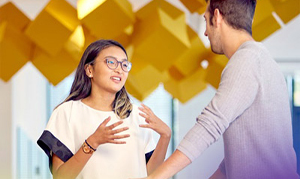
x=190, y=60
x=186, y=88
x=52, y=28
x=11, y=14
x=105, y=18
x=88, y=37
x=160, y=34
x=214, y=70
x=55, y=69
x=198, y=6
x=286, y=9
x=75, y=45
x=264, y=24
x=143, y=79
x=15, y=47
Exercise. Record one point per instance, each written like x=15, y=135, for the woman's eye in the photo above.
x=110, y=61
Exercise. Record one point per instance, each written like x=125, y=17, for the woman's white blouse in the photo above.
x=73, y=122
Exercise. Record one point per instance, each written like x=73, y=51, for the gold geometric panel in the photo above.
x=214, y=70
x=143, y=80
x=55, y=69
x=186, y=88
x=75, y=45
x=286, y=9
x=264, y=24
x=11, y=14
x=51, y=29
x=190, y=60
x=160, y=34
x=15, y=47
x=198, y=6
x=15, y=50
x=105, y=18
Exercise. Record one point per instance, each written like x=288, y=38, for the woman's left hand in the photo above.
x=153, y=122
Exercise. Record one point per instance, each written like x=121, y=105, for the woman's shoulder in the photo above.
x=66, y=106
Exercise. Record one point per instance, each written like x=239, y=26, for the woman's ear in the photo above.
x=88, y=70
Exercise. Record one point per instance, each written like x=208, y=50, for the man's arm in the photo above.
x=218, y=175
x=175, y=163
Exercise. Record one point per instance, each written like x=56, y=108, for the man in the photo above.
x=250, y=108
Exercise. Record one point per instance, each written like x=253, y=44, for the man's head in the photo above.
x=237, y=13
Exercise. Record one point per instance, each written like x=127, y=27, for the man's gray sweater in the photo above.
x=251, y=110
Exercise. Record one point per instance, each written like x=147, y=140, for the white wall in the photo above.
x=29, y=100
x=6, y=123
x=285, y=47
x=29, y=116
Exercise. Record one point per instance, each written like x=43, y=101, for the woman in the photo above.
x=96, y=132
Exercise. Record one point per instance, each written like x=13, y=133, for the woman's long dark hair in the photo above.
x=81, y=87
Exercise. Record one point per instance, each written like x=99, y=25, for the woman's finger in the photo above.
x=144, y=106
x=115, y=125
x=120, y=136
x=144, y=126
x=104, y=123
x=116, y=142
x=144, y=115
x=147, y=108
x=119, y=130
x=143, y=109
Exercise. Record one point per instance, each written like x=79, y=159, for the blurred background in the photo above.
x=174, y=72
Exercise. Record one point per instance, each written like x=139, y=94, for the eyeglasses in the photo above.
x=113, y=63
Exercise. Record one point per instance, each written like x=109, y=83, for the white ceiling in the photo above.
x=284, y=44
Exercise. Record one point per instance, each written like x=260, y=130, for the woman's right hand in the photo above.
x=107, y=134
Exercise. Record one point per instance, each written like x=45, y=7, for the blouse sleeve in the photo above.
x=57, y=138
x=150, y=145
x=148, y=138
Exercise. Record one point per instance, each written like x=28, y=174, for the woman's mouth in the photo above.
x=114, y=78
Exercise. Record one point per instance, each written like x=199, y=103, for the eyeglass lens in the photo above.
x=114, y=63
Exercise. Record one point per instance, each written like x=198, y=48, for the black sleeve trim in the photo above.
x=50, y=144
x=148, y=156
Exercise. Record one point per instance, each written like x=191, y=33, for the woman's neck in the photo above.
x=100, y=102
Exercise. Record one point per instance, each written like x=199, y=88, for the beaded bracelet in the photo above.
x=90, y=146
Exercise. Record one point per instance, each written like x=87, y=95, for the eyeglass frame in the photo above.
x=121, y=62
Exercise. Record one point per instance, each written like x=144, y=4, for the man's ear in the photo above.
x=217, y=17
x=88, y=70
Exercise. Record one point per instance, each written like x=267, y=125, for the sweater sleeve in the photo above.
x=237, y=91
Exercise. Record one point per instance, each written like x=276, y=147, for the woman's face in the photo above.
x=105, y=79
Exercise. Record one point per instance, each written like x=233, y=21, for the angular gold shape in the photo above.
x=160, y=34
x=190, y=60
x=286, y=9
x=15, y=50
x=264, y=23
x=52, y=28
x=186, y=88
x=143, y=80
x=55, y=69
x=215, y=68
x=15, y=47
x=105, y=18
x=198, y=6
